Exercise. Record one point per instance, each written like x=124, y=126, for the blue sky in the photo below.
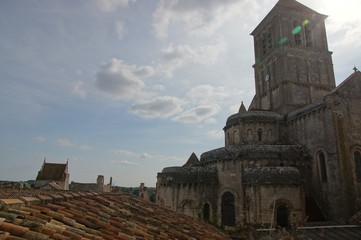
x=124, y=88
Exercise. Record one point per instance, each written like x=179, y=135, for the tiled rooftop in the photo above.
x=62, y=215
x=346, y=232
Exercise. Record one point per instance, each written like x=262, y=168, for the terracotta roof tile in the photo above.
x=100, y=217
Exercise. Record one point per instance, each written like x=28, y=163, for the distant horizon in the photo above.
x=125, y=88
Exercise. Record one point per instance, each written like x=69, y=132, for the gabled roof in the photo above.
x=192, y=161
x=350, y=87
x=52, y=171
x=242, y=108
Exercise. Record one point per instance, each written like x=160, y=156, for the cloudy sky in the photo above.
x=124, y=88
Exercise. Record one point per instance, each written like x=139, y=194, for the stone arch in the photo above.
x=297, y=32
x=356, y=159
x=308, y=35
x=321, y=161
x=228, y=210
x=186, y=207
x=249, y=134
x=260, y=134
x=206, y=212
x=282, y=216
x=236, y=204
x=282, y=212
x=235, y=137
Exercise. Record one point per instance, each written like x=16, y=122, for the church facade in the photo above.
x=295, y=155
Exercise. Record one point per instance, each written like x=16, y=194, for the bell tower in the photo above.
x=293, y=66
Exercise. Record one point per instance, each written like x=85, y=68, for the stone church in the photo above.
x=295, y=155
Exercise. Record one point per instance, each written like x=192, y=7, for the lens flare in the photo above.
x=296, y=30
x=282, y=40
x=305, y=22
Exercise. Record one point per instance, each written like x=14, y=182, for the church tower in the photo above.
x=293, y=66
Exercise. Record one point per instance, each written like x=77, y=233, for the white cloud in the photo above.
x=159, y=87
x=216, y=134
x=122, y=152
x=64, y=143
x=39, y=139
x=170, y=159
x=210, y=120
x=198, y=114
x=203, y=94
x=145, y=155
x=125, y=162
x=193, y=17
x=121, y=81
x=112, y=5
x=78, y=89
x=159, y=107
x=120, y=29
x=85, y=147
x=175, y=57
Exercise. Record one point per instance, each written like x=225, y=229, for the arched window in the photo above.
x=282, y=216
x=249, y=132
x=297, y=32
x=269, y=134
x=322, y=164
x=264, y=44
x=260, y=133
x=308, y=35
x=269, y=39
x=206, y=212
x=187, y=209
x=357, y=157
x=235, y=137
x=228, y=209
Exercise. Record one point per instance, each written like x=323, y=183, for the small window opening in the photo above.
x=357, y=157
x=321, y=158
x=206, y=212
x=282, y=216
x=259, y=135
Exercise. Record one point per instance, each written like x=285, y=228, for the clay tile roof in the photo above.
x=52, y=171
x=100, y=217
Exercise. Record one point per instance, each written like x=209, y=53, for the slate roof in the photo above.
x=66, y=215
x=52, y=171
x=272, y=175
x=254, y=115
x=192, y=161
x=289, y=152
x=189, y=175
